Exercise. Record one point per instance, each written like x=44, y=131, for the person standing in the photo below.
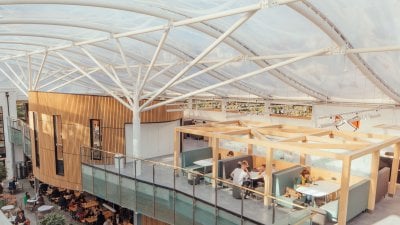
x=241, y=176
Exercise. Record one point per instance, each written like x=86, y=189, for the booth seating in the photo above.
x=383, y=183
x=283, y=179
x=226, y=166
x=188, y=157
x=357, y=202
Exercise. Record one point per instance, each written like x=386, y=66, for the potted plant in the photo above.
x=53, y=219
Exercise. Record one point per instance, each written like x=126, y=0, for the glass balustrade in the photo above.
x=19, y=135
x=161, y=191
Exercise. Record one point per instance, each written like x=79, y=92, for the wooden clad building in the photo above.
x=62, y=123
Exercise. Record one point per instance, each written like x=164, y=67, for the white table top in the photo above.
x=204, y=162
x=319, y=189
x=44, y=208
x=255, y=175
x=31, y=200
x=7, y=207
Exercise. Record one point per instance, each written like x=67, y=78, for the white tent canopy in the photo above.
x=333, y=50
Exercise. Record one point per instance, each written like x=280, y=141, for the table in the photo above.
x=255, y=175
x=7, y=207
x=204, y=163
x=320, y=188
x=45, y=208
x=90, y=204
x=107, y=214
x=91, y=219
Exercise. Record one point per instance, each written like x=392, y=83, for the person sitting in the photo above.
x=305, y=180
x=241, y=176
x=230, y=154
x=40, y=200
x=20, y=219
x=108, y=222
x=12, y=186
x=31, y=180
x=26, y=197
x=62, y=202
x=261, y=173
x=100, y=218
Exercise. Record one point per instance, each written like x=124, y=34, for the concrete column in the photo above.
x=9, y=110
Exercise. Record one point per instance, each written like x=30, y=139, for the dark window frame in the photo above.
x=36, y=138
x=95, y=153
x=58, y=145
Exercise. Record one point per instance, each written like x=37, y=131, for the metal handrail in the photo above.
x=199, y=174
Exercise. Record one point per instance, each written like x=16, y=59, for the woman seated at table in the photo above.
x=20, y=219
x=241, y=176
x=40, y=200
x=260, y=178
x=305, y=180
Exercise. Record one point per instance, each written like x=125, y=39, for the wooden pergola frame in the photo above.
x=303, y=141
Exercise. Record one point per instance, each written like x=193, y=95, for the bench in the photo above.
x=357, y=202
x=188, y=157
x=282, y=179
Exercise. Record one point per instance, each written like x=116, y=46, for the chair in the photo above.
x=236, y=192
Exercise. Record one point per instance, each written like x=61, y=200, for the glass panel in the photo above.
x=87, y=179
x=128, y=196
x=225, y=218
x=183, y=210
x=99, y=183
x=145, y=198
x=113, y=188
x=204, y=214
x=164, y=176
x=164, y=205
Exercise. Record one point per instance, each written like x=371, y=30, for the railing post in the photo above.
x=216, y=201
x=241, y=209
x=119, y=180
x=273, y=210
x=136, y=200
x=174, y=178
x=154, y=192
x=193, y=198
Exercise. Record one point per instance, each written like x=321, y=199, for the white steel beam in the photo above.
x=203, y=54
x=111, y=76
x=39, y=73
x=244, y=76
x=16, y=75
x=15, y=83
x=153, y=60
x=207, y=69
x=123, y=56
x=70, y=80
x=94, y=80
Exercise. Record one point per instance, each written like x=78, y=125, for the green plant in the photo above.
x=53, y=219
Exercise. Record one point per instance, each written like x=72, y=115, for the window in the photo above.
x=95, y=139
x=58, y=145
x=36, y=138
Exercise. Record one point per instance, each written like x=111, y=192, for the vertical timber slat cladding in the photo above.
x=76, y=111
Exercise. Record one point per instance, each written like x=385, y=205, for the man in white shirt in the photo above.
x=241, y=176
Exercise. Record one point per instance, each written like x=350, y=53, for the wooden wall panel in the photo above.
x=150, y=221
x=75, y=112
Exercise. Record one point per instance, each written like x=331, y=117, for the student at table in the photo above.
x=20, y=219
x=40, y=200
x=241, y=176
x=261, y=173
x=108, y=222
x=26, y=197
x=230, y=154
x=62, y=202
x=100, y=218
x=305, y=179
